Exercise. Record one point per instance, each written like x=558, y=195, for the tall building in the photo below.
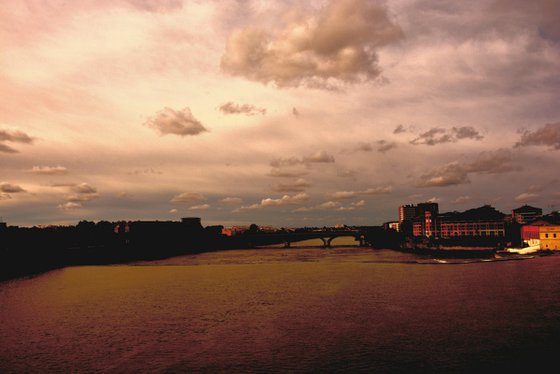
x=407, y=212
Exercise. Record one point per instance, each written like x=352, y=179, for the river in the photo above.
x=344, y=309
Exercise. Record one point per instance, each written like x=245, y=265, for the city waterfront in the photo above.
x=303, y=309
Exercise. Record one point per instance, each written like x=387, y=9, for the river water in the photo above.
x=345, y=309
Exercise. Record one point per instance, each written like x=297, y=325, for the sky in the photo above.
x=281, y=113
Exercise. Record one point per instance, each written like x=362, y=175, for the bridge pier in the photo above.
x=287, y=244
x=326, y=243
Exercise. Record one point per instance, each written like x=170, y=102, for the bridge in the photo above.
x=287, y=237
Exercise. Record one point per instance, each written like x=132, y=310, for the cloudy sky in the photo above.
x=282, y=113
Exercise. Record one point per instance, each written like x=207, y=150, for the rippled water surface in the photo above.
x=344, y=309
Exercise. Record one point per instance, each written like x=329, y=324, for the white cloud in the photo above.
x=199, y=207
x=187, y=197
x=49, y=170
x=69, y=206
x=232, y=200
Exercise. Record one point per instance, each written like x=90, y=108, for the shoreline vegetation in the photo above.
x=30, y=251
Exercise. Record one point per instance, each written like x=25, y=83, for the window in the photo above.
x=546, y=235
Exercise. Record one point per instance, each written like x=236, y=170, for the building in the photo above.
x=485, y=221
x=425, y=218
x=531, y=231
x=407, y=212
x=550, y=237
x=525, y=214
x=392, y=225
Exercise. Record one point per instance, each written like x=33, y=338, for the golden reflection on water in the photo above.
x=264, y=310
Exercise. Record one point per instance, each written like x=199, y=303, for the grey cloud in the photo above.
x=287, y=173
x=491, y=162
x=282, y=162
x=83, y=192
x=438, y=135
x=5, y=196
x=13, y=137
x=318, y=157
x=466, y=132
x=176, y=122
x=548, y=135
x=250, y=110
x=187, y=197
x=385, y=146
x=49, y=170
x=399, y=129
x=291, y=167
x=313, y=50
x=145, y=171
x=365, y=147
x=7, y=149
x=10, y=188
x=297, y=186
x=83, y=188
x=156, y=6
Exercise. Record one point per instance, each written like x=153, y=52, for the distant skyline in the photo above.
x=278, y=113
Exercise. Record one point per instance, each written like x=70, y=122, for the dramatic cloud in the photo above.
x=176, y=122
x=438, y=135
x=250, y=110
x=491, y=162
x=338, y=43
x=297, y=186
x=548, y=135
x=10, y=188
x=370, y=191
x=13, y=137
x=186, y=198
x=49, y=170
